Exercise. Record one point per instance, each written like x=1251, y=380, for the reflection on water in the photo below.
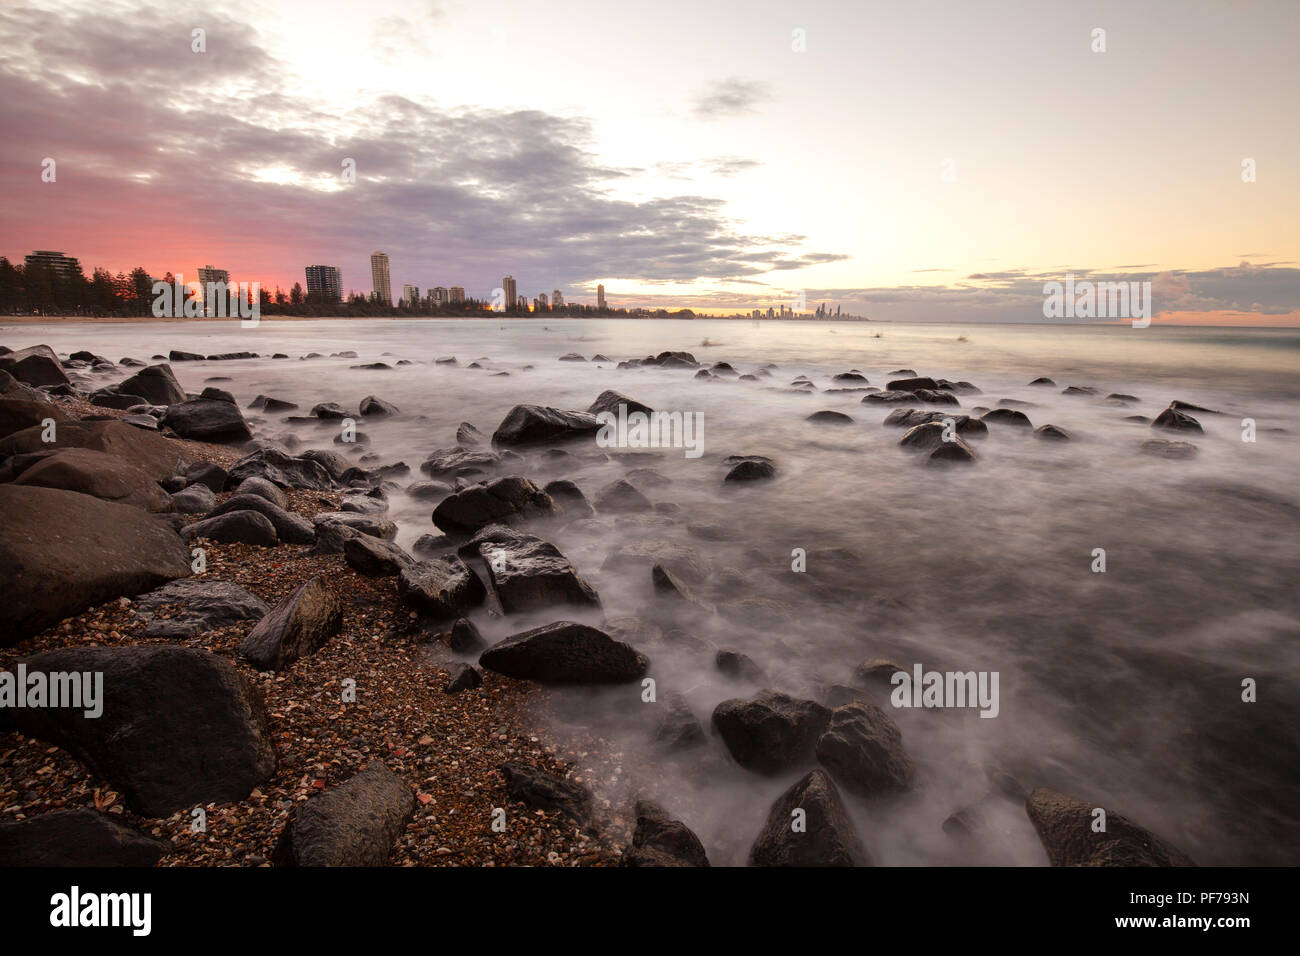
x=1121, y=687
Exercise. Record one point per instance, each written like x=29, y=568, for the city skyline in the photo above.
x=869, y=158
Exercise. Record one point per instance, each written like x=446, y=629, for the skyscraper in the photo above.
x=215, y=301
x=438, y=295
x=545, y=302
x=511, y=294
x=600, y=297
x=557, y=299
x=411, y=294
x=326, y=282
x=456, y=293
x=383, y=288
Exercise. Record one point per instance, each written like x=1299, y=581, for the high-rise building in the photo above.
x=383, y=289
x=326, y=282
x=438, y=295
x=600, y=297
x=208, y=277
x=511, y=295
x=546, y=303
x=522, y=304
x=456, y=293
x=411, y=294
x=557, y=299
x=56, y=262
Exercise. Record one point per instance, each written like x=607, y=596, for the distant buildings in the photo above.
x=383, y=289
x=411, y=295
x=545, y=302
x=522, y=303
x=56, y=262
x=456, y=294
x=557, y=299
x=325, y=282
x=209, y=276
x=438, y=295
x=600, y=297
x=511, y=292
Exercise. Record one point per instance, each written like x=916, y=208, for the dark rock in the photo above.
x=37, y=366
x=257, y=485
x=531, y=424
x=621, y=496
x=572, y=357
x=849, y=377
x=333, y=528
x=331, y=410
x=863, y=750
x=1163, y=448
x=443, y=588
x=179, y=728
x=912, y=384
x=772, y=731
x=953, y=452
x=462, y=677
x=298, y=626
x=609, y=401
x=733, y=663
x=677, y=727
x=281, y=468
x=1052, y=433
x=108, y=398
x=95, y=473
x=17, y=414
x=1176, y=420
x=826, y=417
x=64, y=552
x=1043, y=380
x=153, y=454
x=751, y=469
x=370, y=405
x=217, y=395
x=289, y=527
x=196, y=499
x=659, y=840
x=209, y=474
x=1007, y=416
x=428, y=490
x=80, y=838
x=566, y=653
x=827, y=838
x=459, y=462
x=356, y=823
x=1064, y=825
x=527, y=573
x=464, y=637
x=176, y=355
x=1189, y=407
x=1079, y=390
x=205, y=419
x=509, y=499
x=374, y=557
x=205, y=605
x=539, y=790
x=468, y=435
x=236, y=527
x=569, y=498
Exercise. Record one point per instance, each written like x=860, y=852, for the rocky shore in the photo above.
x=284, y=685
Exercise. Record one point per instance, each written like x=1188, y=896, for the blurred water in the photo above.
x=1122, y=688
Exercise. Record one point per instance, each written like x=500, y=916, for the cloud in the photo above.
x=730, y=97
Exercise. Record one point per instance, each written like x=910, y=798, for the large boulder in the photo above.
x=659, y=840
x=281, y=468
x=76, y=838
x=826, y=836
x=156, y=456
x=207, y=419
x=95, y=473
x=527, y=573
x=235, y=527
x=156, y=384
x=1065, y=825
x=289, y=527
x=863, y=749
x=374, y=557
x=64, y=552
x=771, y=731
x=203, y=605
x=19, y=413
x=532, y=424
x=300, y=624
x=566, y=653
x=356, y=823
x=37, y=366
x=500, y=501
x=443, y=588
x=179, y=727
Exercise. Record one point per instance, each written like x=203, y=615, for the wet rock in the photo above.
x=502, y=500
x=1176, y=420
x=356, y=823
x=863, y=750
x=736, y=664
x=459, y=462
x=428, y=490
x=468, y=435
x=539, y=790
x=206, y=419
x=610, y=400
x=196, y=499
x=1121, y=397
x=298, y=626
x=877, y=672
x=204, y=605
x=854, y=376
x=180, y=727
x=209, y=474
x=37, y=365
x=281, y=468
x=532, y=424
x=572, y=357
x=153, y=454
x=257, y=485
x=64, y=552
x=1044, y=381
x=912, y=384
x=289, y=527
x=1052, y=433
x=236, y=527
x=527, y=573
x=370, y=406
x=374, y=557
x=683, y=561
x=430, y=544
x=443, y=588
x=952, y=453
x=464, y=637
x=828, y=837
x=333, y=528
x=751, y=469
x=772, y=731
x=1007, y=416
x=659, y=840
x=827, y=417
x=217, y=395
x=95, y=473
x=17, y=414
x=80, y=838
x=1064, y=825
x=1181, y=406
x=677, y=727
x=462, y=677
x=566, y=653
x=569, y=498
x=621, y=496
x=331, y=410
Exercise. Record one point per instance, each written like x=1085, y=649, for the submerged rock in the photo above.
x=772, y=731
x=1065, y=826
x=827, y=838
x=659, y=840
x=566, y=653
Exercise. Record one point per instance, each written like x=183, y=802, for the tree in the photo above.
x=296, y=294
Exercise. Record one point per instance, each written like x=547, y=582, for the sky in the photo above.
x=905, y=161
